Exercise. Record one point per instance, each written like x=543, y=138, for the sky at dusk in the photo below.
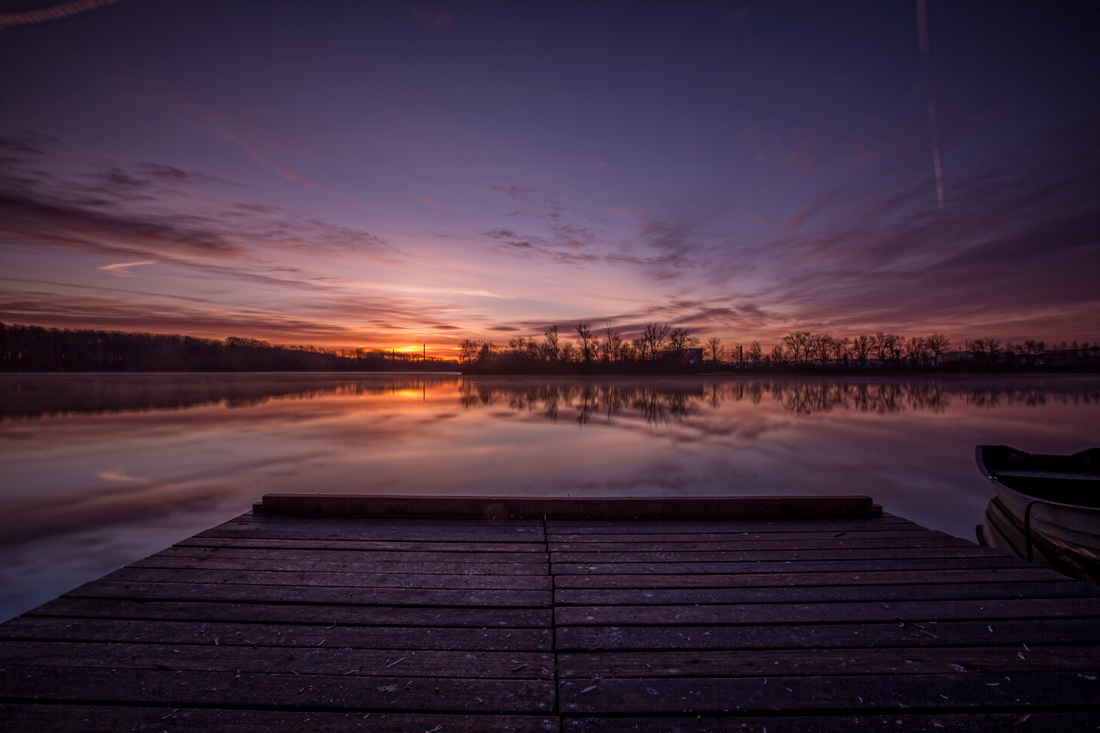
x=395, y=173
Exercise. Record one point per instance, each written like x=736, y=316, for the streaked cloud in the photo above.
x=54, y=12
x=122, y=269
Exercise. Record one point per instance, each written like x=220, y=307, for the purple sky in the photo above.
x=399, y=173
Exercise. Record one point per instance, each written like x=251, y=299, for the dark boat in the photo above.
x=1049, y=502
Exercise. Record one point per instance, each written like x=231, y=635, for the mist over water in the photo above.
x=100, y=470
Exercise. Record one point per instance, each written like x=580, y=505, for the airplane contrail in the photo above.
x=922, y=27
x=64, y=10
x=922, y=37
x=935, y=146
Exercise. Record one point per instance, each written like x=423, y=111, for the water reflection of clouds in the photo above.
x=31, y=395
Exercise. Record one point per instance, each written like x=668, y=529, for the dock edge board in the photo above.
x=568, y=508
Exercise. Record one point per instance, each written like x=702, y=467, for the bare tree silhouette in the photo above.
x=862, y=347
x=551, y=348
x=587, y=344
x=679, y=341
x=842, y=349
x=714, y=346
x=651, y=342
x=467, y=351
x=612, y=346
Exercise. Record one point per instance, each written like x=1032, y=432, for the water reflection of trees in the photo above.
x=662, y=403
x=808, y=398
x=656, y=404
x=656, y=401
x=76, y=394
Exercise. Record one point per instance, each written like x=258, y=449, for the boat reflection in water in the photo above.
x=1047, y=508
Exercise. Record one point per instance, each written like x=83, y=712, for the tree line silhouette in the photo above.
x=38, y=349
x=659, y=348
x=662, y=348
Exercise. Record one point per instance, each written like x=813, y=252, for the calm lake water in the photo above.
x=100, y=470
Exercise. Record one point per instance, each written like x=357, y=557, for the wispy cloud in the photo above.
x=138, y=213
x=798, y=151
x=337, y=316
x=54, y=12
x=25, y=219
x=517, y=191
x=479, y=293
x=245, y=130
x=122, y=269
x=26, y=142
x=261, y=158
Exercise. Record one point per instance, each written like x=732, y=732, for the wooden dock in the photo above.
x=586, y=616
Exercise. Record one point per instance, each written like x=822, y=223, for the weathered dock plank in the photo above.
x=261, y=543
x=99, y=718
x=859, y=577
x=864, y=693
x=712, y=526
x=319, y=659
x=292, y=613
x=787, y=555
x=320, y=595
x=45, y=682
x=128, y=631
x=985, y=562
x=705, y=535
x=787, y=595
x=340, y=572
x=897, y=720
x=1014, y=633
x=285, y=531
x=739, y=508
x=761, y=545
x=332, y=559
x=817, y=662
x=249, y=574
x=836, y=611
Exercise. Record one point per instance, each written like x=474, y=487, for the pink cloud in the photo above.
x=435, y=20
x=650, y=227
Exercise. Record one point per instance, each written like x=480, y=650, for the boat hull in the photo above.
x=1056, y=497
x=1072, y=528
x=1002, y=531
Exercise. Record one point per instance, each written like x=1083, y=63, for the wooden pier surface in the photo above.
x=843, y=620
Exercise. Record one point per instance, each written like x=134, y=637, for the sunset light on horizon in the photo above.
x=404, y=175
